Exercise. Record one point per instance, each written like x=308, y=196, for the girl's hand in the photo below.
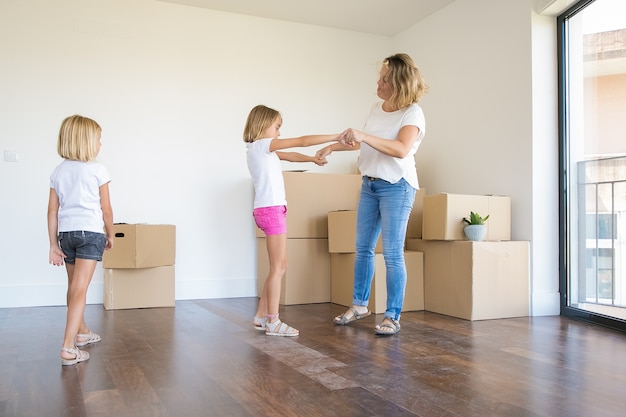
x=56, y=256
x=320, y=161
x=323, y=153
x=109, y=244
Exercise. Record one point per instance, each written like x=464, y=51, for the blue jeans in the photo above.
x=382, y=206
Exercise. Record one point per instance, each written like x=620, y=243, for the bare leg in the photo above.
x=78, y=278
x=270, y=297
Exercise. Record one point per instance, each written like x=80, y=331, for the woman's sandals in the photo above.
x=278, y=328
x=345, y=318
x=388, y=327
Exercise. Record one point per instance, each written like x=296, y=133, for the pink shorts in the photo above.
x=272, y=220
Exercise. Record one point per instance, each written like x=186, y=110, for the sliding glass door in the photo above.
x=592, y=108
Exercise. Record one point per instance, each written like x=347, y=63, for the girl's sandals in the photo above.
x=259, y=323
x=389, y=326
x=79, y=356
x=346, y=317
x=87, y=339
x=278, y=328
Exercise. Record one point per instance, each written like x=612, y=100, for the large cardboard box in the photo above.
x=475, y=280
x=141, y=246
x=342, y=282
x=139, y=288
x=414, y=228
x=307, y=279
x=310, y=196
x=342, y=232
x=443, y=216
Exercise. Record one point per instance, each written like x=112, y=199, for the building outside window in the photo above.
x=592, y=109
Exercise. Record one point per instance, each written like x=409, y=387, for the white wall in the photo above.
x=172, y=85
x=491, y=119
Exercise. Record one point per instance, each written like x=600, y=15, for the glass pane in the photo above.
x=596, y=155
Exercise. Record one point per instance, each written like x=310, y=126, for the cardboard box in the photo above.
x=342, y=232
x=139, y=288
x=141, y=246
x=443, y=216
x=310, y=196
x=414, y=228
x=307, y=279
x=475, y=280
x=342, y=282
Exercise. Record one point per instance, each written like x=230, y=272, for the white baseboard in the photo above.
x=54, y=295
x=545, y=304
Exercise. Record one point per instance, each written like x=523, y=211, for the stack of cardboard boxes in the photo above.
x=310, y=196
x=446, y=273
x=139, y=270
x=466, y=279
x=341, y=240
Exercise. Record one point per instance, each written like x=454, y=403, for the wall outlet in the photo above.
x=11, y=156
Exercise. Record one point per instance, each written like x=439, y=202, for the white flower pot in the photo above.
x=475, y=232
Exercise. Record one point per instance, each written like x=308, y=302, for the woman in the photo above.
x=393, y=131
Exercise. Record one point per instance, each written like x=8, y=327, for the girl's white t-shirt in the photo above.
x=77, y=185
x=267, y=175
x=387, y=125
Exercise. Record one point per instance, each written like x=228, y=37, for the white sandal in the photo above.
x=89, y=338
x=259, y=323
x=278, y=328
x=80, y=356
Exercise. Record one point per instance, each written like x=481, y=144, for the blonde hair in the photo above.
x=259, y=119
x=406, y=80
x=78, y=139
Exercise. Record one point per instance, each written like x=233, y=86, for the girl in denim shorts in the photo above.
x=80, y=224
x=270, y=205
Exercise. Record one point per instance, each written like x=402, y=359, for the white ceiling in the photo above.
x=380, y=17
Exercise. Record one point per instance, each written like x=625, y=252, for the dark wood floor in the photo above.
x=203, y=358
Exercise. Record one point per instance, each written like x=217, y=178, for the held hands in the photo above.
x=350, y=137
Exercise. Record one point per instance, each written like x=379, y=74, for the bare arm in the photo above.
x=56, y=255
x=340, y=146
x=302, y=141
x=298, y=157
x=398, y=148
x=107, y=215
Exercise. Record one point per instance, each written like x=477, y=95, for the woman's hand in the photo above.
x=350, y=137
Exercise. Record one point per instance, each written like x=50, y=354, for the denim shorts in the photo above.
x=272, y=220
x=83, y=245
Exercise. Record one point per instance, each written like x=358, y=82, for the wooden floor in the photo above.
x=203, y=358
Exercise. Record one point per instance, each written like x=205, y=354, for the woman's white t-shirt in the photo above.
x=387, y=125
x=267, y=175
x=77, y=185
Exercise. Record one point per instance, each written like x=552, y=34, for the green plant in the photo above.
x=475, y=218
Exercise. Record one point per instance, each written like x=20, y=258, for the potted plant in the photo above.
x=476, y=228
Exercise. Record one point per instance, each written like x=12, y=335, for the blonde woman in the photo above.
x=388, y=142
x=80, y=224
x=264, y=153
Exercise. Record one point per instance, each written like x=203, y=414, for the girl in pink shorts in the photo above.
x=270, y=205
